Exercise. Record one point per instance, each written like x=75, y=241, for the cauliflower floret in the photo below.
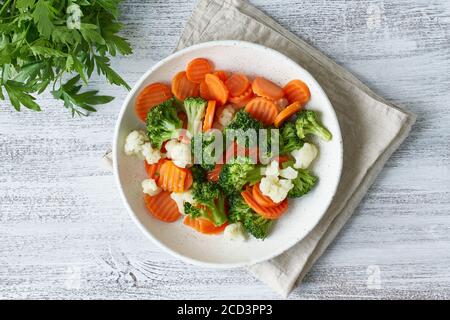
x=134, y=142
x=150, y=187
x=226, y=115
x=151, y=155
x=235, y=232
x=289, y=173
x=181, y=197
x=179, y=152
x=304, y=156
x=275, y=188
x=273, y=169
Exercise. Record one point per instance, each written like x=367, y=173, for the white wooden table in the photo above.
x=64, y=232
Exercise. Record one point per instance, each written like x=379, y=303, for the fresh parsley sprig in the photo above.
x=42, y=41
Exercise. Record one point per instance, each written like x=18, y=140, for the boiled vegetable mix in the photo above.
x=201, y=174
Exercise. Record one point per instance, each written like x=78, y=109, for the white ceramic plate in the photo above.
x=304, y=213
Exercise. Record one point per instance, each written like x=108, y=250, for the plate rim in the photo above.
x=115, y=148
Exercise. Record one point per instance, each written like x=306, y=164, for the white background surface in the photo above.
x=65, y=234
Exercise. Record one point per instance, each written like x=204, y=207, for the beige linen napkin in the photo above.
x=372, y=129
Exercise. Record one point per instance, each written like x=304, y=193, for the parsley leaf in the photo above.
x=73, y=100
x=43, y=15
x=43, y=41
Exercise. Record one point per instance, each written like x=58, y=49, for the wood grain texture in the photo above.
x=65, y=234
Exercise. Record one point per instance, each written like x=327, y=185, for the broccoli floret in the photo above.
x=208, y=195
x=304, y=182
x=198, y=173
x=206, y=153
x=237, y=173
x=195, y=111
x=242, y=122
x=289, y=138
x=254, y=223
x=307, y=123
x=162, y=123
x=237, y=208
x=258, y=226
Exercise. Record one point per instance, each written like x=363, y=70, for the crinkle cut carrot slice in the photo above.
x=151, y=96
x=189, y=179
x=153, y=169
x=204, y=92
x=262, y=109
x=172, y=178
x=217, y=89
x=162, y=207
x=243, y=99
x=221, y=74
x=197, y=69
x=209, y=115
x=267, y=212
x=203, y=225
x=286, y=113
x=183, y=88
x=297, y=90
x=237, y=84
x=261, y=199
x=267, y=89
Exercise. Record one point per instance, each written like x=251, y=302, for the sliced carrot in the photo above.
x=287, y=113
x=243, y=99
x=213, y=175
x=183, y=117
x=297, y=90
x=266, y=212
x=189, y=179
x=197, y=68
x=182, y=87
x=262, y=109
x=162, y=207
x=151, y=96
x=267, y=89
x=153, y=169
x=209, y=115
x=237, y=84
x=171, y=177
x=221, y=74
x=203, y=225
x=216, y=88
x=261, y=199
x=204, y=92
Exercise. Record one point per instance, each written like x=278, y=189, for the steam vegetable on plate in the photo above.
x=204, y=150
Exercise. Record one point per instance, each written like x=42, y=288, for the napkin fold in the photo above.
x=372, y=129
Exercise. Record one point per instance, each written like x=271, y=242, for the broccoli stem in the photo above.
x=218, y=211
x=321, y=132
